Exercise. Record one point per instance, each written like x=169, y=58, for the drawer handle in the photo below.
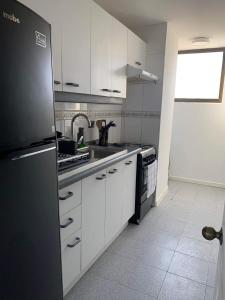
x=138, y=63
x=77, y=241
x=101, y=177
x=129, y=163
x=113, y=171
x=57, y=82
x=68, y=195
x=106, y=90
x=70, y=221
x=72, y=84
x=117, y=91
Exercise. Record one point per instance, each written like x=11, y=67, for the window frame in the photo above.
x=222, y=77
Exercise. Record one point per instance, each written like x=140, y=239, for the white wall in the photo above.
x=166, y=120
x=198, y=143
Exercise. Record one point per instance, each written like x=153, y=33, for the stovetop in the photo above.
x=67, y=161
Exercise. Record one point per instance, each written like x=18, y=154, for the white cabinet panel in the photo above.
x=70, y=222
x=93, y=216
x=118, y=59
x=129, y=187
x=69, y=197
x=101, y=23
x=136, y=51
x=76, y=38
x=71, y=262
x=50, y=11
x=114, y=201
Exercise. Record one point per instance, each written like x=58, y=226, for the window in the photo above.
x=200, y=75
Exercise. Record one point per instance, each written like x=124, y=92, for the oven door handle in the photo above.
x=149, y=163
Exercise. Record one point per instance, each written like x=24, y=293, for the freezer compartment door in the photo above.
x=30, y=258
x=26, y=101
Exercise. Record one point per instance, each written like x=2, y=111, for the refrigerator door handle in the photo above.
x=33, y=153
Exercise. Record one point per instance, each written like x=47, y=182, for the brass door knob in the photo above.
x=209, y=233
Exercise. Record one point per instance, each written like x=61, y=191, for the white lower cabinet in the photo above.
x=71, y=259
x=107, y=203
x=93, y=216
x=129, y=187
x=114, y=201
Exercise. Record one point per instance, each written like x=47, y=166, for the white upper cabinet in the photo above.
x=76, y=39
x=118, y=59
x=136, y=51
x=50, y=11
x=101, y=23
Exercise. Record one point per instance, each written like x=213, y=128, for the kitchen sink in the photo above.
x=99, y=152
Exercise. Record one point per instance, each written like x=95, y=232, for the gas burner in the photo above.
x=67, y=161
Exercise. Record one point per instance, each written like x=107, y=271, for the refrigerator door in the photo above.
x=30, y=258
x=26, y=92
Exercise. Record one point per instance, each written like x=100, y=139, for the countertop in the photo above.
x=93, y=166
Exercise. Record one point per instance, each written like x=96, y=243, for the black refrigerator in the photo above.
x=30, y=253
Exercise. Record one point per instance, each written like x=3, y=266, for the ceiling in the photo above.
x=191, y=18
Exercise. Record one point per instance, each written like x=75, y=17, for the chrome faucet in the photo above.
x=74, y=118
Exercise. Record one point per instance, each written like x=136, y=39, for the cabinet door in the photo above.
x=50, y=11
x=101, y=23
x=129, y=188
x=136, y=51
x=71, y=253
x=114, y=200
x=76, y=45
x=93, y=216
x=118, y=59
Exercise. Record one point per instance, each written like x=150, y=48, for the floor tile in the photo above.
x=189, y=267
x=151, y=255
x=94, y=288
x=194, y=248
x=209, y=294
x=178, y=288
x=145, y=279
x=112, y=266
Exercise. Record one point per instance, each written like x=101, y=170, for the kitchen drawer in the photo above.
x=69, y=197
x=71, y=259
x=70, y=222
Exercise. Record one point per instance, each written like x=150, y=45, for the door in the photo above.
x=50, y=11
x=209, y=233
x=114, y=201
x=93, y=217
x=118, y=59
x=26, y=114
x=30, y=256
x=76, y=48
x=101, y=23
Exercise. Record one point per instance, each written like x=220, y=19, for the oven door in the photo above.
x=144, y=185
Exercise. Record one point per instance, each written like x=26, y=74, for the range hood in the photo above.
x=138, y=75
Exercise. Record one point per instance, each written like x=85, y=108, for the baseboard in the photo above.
x=162, y=196
x=197, y=181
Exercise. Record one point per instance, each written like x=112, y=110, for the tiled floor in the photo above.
x=164, y=258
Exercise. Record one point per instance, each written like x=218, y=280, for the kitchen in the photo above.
x=113, y=116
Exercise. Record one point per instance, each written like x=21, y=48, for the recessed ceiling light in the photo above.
x=200, y=41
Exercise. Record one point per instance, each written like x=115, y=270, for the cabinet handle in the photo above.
x=128, y=163
x=68, y=195
x=106, y=90
x=117, y=91
x=72, y=84
x=101, y=177
x=77, y=241
x=113, y=171
x=138, y=63
x=57, y=82
x=70, y=221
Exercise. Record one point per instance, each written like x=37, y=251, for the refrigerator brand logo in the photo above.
x=41, y=39
x=11, y=17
